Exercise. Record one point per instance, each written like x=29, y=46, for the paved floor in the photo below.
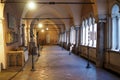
x=56, y=64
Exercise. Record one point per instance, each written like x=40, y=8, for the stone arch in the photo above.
x=67, y=8
x=94, y=8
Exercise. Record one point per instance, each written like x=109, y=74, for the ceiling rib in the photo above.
x=50, y=24
x=43, y=18
x=50, y=3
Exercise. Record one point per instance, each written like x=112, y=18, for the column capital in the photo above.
x=1, y=18
x=62, y=32
x=68, y=31
x=102, y=18
x=77, y=27
x=23, y=25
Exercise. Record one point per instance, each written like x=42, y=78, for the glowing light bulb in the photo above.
x=46, y=28
x=40, y=25
x=42, y=30
x=31, y=5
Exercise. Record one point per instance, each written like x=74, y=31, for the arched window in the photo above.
x=115, y=28
x=89, y=32
x=83, y=34
x=95, y=35
x=94, y=32
x=86, y=32
x=72, y=35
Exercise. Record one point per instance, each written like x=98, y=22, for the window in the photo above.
x=72, y=35
x=90, y=37
x=95, y=35
x=115, y=28
x=86, y=32
x=83, y=34
x=89, y=32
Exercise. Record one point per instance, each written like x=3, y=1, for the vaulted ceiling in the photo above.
x=65, y=10
x=56, y=11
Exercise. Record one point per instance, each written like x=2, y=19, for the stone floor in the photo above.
x=56, y=64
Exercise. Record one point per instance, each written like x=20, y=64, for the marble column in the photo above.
x=60, y=39
x=77, y=39
x=65, y=39
x=100, y=43
x=68, y=43
x=77, y=35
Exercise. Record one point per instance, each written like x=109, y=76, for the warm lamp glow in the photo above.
x=46, y=28
x=31, y=5
x=40, y=25
x=42, y=30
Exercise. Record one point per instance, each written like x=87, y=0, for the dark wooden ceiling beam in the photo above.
x=50, y=3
